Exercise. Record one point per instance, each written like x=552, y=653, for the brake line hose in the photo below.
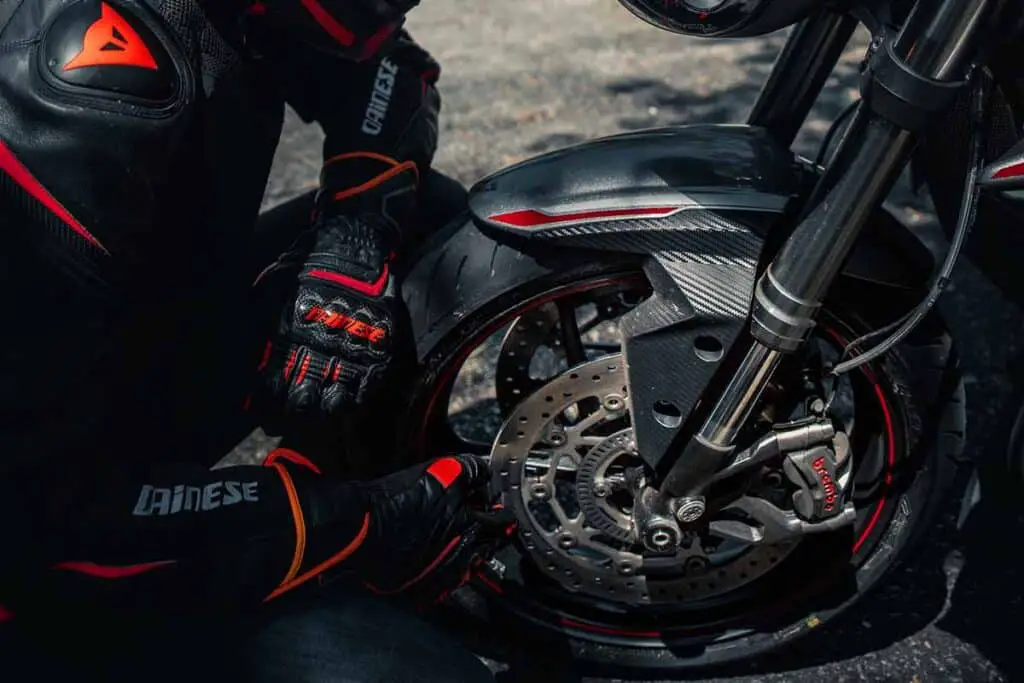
x=968, y=212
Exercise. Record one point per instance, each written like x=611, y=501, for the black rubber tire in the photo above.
x=465, y=279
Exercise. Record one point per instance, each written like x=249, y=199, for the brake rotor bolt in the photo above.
x=557, y=439
x=601, y=490
x=626, y=569
x=539, y=491
x=690, y=510
x=613, y=403
x=566, y=541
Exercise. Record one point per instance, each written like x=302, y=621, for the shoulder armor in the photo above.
x=102, y=48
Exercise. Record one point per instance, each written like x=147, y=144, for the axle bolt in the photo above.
x=566, y=541
x=601, y=490
x=689, y=510
x=661, y=538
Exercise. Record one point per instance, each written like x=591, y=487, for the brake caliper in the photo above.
x=822, y=476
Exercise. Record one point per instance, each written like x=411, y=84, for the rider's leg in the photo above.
x=357, y=638
x=324, y=636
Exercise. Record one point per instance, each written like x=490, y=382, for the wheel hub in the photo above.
x=565, y=463
x=603, y=494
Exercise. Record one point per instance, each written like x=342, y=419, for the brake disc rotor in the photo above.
x=517, y=371
x=540, y=459
x=531, y=331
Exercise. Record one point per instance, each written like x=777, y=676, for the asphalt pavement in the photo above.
x=524, y=77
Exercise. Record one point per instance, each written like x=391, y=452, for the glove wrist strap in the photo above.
x=376, y=189
x=352, y=253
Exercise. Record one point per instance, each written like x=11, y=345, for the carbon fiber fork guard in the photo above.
x=701, y=219
x=702, y=272
x=706, y=222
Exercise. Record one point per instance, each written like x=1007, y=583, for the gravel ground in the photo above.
x=528, y=76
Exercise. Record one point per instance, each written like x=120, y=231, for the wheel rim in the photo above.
x=528, y=598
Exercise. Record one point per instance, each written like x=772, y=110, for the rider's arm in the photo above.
x=353, y=29
x=386, y=105
x=173, y=537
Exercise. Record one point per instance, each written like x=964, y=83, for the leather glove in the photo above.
x=335, y=337
x=431, y=527
x=418, y=533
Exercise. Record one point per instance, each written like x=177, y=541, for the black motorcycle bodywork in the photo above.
x=1007, y=172
x=706, y=204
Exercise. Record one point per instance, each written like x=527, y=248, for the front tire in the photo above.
x=467, y=287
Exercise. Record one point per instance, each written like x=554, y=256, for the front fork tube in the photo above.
x=789, y=294
x=938, y=43
x=787, y=299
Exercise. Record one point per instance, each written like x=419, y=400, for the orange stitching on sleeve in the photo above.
x=341, y=556
x=376, y=180
x=361, y=155
x=300, y=523
x=291, y=456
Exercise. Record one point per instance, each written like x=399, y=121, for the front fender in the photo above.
x=703, y=203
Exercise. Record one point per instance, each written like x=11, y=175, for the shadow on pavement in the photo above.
x=987, y=605
x=659, y=104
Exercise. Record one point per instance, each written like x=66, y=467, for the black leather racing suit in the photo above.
x=136, y=137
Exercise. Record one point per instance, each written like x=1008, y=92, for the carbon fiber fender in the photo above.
x=705, y=204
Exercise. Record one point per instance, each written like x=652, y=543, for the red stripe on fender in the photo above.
x=368, y=288
x=329, y=23
x=100, y=571
x=530, y=218
x=1011, y=171
x=21, y=175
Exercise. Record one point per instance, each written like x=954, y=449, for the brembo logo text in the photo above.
x=168, y=501
x=827, y=485
x=377, y=109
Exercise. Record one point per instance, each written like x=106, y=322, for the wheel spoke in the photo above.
x=571, y=338
x=590, y=324
x=586, y=423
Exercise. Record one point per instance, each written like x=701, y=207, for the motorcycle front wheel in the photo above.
x=485, y=315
